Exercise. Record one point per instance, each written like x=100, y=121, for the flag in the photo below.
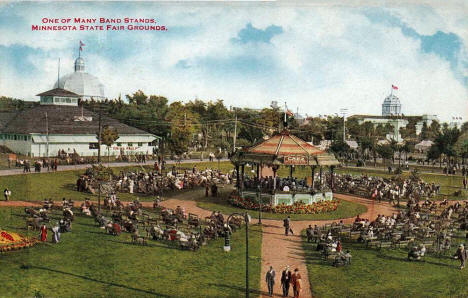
x=394, y=87
x=81, y=45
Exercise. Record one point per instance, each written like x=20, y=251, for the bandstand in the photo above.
x=285, y=149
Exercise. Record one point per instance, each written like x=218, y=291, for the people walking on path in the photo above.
x=285, y=281
x=270, y=280
x=287, y=226
x=296, y=281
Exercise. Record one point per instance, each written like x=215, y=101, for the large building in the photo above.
x=59, y=123
x=391, y=106
x=392, y=114
x=82, y=83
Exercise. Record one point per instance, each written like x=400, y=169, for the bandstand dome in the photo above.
x=82, y=83
x=285, y=149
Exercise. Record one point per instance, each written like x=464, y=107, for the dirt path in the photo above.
x=279, y=250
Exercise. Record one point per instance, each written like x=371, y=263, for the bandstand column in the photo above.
x=242, y=177
x=237, y=176
x=290, y=171
x=331, y=177
x=313, y=177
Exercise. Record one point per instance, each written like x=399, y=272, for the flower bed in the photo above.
x=296, y=208
x=13, y=241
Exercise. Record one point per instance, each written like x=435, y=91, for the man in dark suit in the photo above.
x=270, y=280
x=285, y=281
x=287, y=226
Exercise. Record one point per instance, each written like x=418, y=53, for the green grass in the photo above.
x=448, y=184
x=56, y=185
x=345, y=209
x=385, y=273
x=37, y=187
x=89, y=263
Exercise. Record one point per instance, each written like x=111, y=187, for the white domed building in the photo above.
x=82, y=83
x=58, y=123
x=391, y=106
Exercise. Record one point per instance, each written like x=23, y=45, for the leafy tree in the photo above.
x=385, y=151
x=108, y=136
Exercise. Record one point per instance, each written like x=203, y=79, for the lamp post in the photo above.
x=259, y=196
x=247, y=220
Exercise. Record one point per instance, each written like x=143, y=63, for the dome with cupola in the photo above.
x=82, y=83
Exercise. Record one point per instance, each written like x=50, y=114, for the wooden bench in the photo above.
x=385, y=244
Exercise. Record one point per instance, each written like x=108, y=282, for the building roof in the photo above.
x=392, y=100
x=284, y=149
x=81, y=82
x=285, y=144
x=62, y=120
x=58, y=92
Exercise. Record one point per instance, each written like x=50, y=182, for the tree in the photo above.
x=385, y=151
x=108, y=136
x=182, y=127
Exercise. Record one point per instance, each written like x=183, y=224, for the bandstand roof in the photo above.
x=285, y=149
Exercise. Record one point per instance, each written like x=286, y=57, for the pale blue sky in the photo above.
x=317, y=58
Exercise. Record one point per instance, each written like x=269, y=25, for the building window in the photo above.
x=130, y=144
x=140, y=144
x=93, y=145
x=68, y=100
x=119, y=144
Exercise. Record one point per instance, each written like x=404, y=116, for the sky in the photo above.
x=316, y=57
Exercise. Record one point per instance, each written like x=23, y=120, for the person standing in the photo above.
x=465, y=182
x=310, y=233
x=56, y=236
x=285, y=281
x=7, y=194
x=461, y=255
x=270, y=280
x=287, y=226
x=297, y=286
x=43, y=233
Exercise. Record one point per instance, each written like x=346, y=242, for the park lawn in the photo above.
x=385, y=273
x=448, y=184
x=90, y=263
x=345, y=208
x=57, y=185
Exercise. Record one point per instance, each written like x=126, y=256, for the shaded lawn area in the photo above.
x=385, y=273
x=90, y=263
x=345, y=209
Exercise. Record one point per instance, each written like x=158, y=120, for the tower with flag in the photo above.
x=391, y=105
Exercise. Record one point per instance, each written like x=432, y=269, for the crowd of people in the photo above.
x=285, y=184
x=422, y=227
x=379, y=188
x=155, y=182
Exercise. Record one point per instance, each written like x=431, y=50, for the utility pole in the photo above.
x=99, y=134
x=235, y=132
x=47, y=134
x=343, y=112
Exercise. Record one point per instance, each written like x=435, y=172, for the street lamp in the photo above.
x=247, y=220
x=259, y=196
